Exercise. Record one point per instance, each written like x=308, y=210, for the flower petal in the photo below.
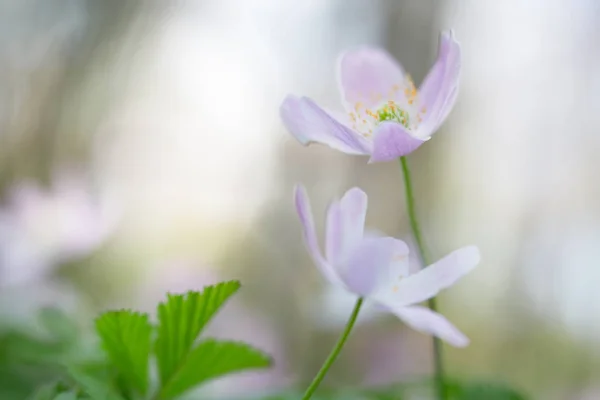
x=345, y=225
x=392, y=140
x=439, y=89
x=431, y=280
x=424, y=320
x=310, y=235
x=399, y=264
x=368, y=267
x=366, y=73
x=309, y=123
x=400, y=267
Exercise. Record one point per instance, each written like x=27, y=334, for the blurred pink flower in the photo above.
x=386, y=117
x=39, y=229
x=377, y=268
x=236, y=321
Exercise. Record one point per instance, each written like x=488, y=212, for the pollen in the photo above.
x=357, y=106
x=395, y=288
x=410, y=92
x=372, y=114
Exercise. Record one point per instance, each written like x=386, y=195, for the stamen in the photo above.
x=371, y=114
x=410, y=92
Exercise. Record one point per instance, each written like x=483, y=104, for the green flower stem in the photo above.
x=335, y=352
x=416, y=231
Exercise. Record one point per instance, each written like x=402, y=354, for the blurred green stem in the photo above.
x=416, y=231
x=335, y=352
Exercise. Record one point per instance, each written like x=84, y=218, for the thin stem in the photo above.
x=416, y=231
x=335, y=352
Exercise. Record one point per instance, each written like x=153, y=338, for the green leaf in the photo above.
x=48, y=391
x=125, y=336
x=213, y=358
x=483, y=390
x=95, y=388
x=66, y=396
x=58, y=324
x=181, y=319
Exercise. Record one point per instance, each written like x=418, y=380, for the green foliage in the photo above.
x=456, y=390
x=181, y=319
x=483, y=390
x=58, y=325
x=183, y=362
x=49, y=391
x=95, y=388
x=125, y=337
x=210, y=359
x=30, y=358
x=67, y=396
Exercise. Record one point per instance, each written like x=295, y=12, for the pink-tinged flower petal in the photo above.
x=431, y=280
x=345, y=225
x=424, y=320
x=367, y=75
x=369, y=265
x=400, y=267
x=310, y=235
x=392, y=140
x=309, y=123
x=439, y=90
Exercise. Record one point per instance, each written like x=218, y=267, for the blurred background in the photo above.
x=141, y=152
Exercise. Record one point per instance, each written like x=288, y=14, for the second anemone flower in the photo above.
x=386, y=116
x=376, y=267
